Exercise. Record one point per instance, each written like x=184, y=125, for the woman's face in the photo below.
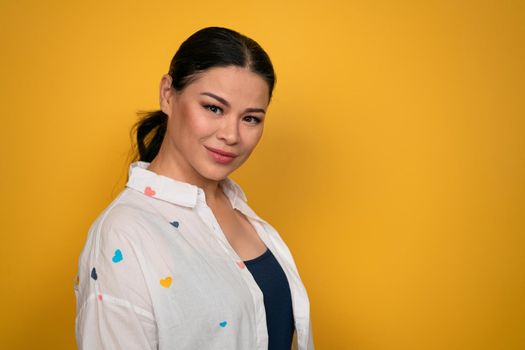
x=215, y=122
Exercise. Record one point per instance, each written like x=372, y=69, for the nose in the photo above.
x=228, y=130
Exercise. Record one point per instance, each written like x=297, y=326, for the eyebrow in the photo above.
x=227, y=104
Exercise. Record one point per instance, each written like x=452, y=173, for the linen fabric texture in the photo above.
x=157, y=272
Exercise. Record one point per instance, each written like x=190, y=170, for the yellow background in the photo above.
x=392, y=163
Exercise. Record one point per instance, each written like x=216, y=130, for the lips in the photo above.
x=220, y=156
x=222, y=153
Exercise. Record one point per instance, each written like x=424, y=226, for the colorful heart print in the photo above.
x=223, y=324
x=166, y=282
x=241, y=264
x=148, y=191
x=117, y=257
x=94, y=274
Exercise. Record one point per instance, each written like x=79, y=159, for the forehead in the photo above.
x=237, y=85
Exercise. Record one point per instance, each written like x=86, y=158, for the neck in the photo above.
x=171, y=166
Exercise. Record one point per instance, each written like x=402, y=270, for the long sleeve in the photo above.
x=114, y=309
x=157, y=272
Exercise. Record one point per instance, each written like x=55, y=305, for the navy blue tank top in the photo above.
x=273, y=283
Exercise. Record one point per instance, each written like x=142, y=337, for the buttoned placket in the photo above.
x=291, y=276
x=194, y=197
x=207, y=216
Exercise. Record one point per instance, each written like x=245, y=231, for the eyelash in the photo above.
x=211, y=107
x=255, y=119
x=218, y=110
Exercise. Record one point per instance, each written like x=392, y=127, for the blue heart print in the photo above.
x=94, y=274
x=175, y=224
x=223, y=324
x=117, y=257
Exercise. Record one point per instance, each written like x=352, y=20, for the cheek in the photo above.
x=193, y=122
x=201, y=127
x=252, y=137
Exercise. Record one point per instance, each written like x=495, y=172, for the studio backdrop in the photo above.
x=392, y=161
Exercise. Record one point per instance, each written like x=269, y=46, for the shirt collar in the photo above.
x=177, y=192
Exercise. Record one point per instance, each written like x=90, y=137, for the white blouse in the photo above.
x=157, y=272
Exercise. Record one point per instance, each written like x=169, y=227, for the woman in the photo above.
x=179, y=260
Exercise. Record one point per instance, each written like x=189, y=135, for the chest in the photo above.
x=199, y=292
x=239, y=232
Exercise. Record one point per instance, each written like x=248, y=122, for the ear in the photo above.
x=166, y=92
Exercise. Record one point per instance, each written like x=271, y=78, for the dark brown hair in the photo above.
x=207, y=48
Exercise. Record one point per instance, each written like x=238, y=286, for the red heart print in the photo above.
x=148, y=191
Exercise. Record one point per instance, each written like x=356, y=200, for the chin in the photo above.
x=216, y=174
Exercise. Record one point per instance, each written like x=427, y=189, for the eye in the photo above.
x=214, y=109
x=251, y=119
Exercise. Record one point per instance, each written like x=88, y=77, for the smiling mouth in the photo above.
x=220, y=156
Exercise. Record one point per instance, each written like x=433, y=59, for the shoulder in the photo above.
x=129, y=219
x=128, y=210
